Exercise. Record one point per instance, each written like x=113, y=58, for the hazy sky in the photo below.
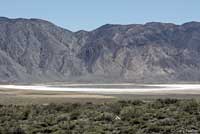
x=90, y=14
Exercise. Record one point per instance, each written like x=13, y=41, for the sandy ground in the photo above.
x=68, y=96
x=26, y=97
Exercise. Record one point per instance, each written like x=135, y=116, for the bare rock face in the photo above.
x=36, y=50
x=33, y=50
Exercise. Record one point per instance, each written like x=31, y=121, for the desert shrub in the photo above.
x=168, y=101
x=136, y=121
x=190, y=106
x=167, y=122
x=137, y=102
x=130, y=112
x=62, y=117
x=74, y=115
x=129, y=130
x=156, y=104
x=123, y=103
x=105, y=117
x=16, y=130
x=75, y=105
x=153, y=128
x=115, y=108
x=124, y=117
x=161, y=114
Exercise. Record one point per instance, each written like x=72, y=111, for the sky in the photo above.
x=89, y=14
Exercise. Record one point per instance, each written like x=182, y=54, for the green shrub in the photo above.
x=74, y=115
x=124, y=117
x=130, y=112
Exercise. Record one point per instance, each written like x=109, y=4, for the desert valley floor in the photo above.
x=97, y=93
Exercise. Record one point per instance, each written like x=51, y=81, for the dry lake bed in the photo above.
x=96, y=93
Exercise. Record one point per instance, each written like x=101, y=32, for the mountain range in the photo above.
x=35, y=50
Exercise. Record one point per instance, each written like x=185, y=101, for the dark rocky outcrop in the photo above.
x=33, y=50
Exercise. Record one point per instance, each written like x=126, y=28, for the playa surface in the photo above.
x=96, y=93
x=110, y=88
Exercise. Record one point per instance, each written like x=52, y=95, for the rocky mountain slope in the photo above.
x=33, y=50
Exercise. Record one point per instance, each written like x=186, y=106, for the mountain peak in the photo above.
x=4, y=19
x=191, y=24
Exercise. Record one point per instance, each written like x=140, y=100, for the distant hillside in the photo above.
x=33, y=50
